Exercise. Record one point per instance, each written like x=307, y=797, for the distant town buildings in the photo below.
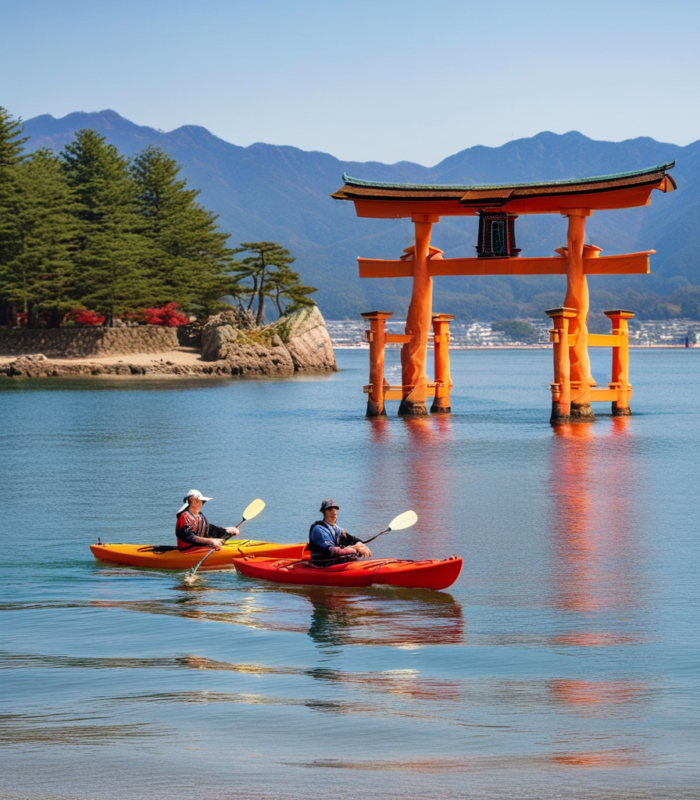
x=651, y=333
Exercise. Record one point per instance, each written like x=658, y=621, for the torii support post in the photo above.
x=577, y=297
x=376, y=336
x=418, y=319
x=443, y=384
x=620, y=362
x=561, y=387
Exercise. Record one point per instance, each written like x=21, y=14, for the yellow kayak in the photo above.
x=166, y=557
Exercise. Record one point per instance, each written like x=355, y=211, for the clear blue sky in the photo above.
x=383, y=80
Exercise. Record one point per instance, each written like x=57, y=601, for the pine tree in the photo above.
x=110, y=275
x=11, y=140
x=270, y=273
x=288, y=292
x=11, y=156
x=188, y=258
x=39, y=276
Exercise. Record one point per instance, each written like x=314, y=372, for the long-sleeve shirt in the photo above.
x=328, y=541
x=190, y=527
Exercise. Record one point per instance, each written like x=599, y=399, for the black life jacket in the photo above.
x=318, y=552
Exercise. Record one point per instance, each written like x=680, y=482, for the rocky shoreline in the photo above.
x=231, y=346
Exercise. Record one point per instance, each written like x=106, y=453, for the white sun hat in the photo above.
x=197, y=496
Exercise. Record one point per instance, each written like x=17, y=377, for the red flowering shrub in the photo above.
x=167, y=315
x=84, y=318
x=22, y=319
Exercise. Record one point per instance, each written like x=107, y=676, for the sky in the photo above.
x=381, y=80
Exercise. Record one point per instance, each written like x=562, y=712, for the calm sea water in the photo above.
x=565, y=662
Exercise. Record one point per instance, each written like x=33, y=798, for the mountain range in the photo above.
x=282, y=194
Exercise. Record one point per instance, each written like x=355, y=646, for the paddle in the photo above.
x=251, y=511
x=405, y=520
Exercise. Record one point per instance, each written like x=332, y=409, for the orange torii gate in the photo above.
x=497, y=208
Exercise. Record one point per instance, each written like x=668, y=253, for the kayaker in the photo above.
x=330, y=544
x=192, y=530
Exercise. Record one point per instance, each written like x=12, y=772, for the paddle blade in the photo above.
x=253, y=509
x=404, y=520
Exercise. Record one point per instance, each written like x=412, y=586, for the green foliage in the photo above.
x=110, y=274
x=517, y=330
x=288, y=292
x=269, y=275
x=90, y=229
x=687, y=299
x=187, y=255
x=11, y=140
x=38, y=276
x=11, y=156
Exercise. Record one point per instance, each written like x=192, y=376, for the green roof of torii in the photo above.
x=350, y=181
x=393, y=200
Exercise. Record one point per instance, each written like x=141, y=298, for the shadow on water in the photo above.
x=69, y=729
x=604, y=759
x=395, y=693
x=387, y=616
x=384, y=617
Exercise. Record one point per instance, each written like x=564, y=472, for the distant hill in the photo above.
x=282, y=194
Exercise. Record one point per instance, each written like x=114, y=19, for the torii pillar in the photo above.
x=418, y=322
x=577, y=297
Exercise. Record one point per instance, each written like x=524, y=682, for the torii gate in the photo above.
x=497, y=208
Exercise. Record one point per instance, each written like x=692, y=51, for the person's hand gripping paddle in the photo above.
x=251, y=511
x=405, y=520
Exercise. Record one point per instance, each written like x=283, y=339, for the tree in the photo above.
x=269, y=270
x=11, y=140
x=11, y=156
x=517, y=330
x=39, y=276
x=288, y=292
x=188, y=258
x=688, y=298
x=110, y=276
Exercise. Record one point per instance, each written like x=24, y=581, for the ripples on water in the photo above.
x=564, y=662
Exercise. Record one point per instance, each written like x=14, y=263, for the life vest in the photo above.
x=320, y=553
x=198, y=525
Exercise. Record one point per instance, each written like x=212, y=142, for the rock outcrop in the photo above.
x=309, y=343
x=299, y=343
x=257, y=359
x=230, y=346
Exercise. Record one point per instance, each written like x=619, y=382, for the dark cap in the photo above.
x=326, y=504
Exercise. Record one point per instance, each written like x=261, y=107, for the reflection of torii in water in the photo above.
x=592, y=511
x=419, y=481
x=593, y=573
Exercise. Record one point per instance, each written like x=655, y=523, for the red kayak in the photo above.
x=368, y=572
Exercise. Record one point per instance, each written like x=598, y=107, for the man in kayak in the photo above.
x=192, y=530
x=330, y=544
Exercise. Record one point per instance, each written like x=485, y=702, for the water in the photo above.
x=564, y=662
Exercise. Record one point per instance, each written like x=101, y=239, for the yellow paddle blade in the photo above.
x=253, y=509
x=404, y=520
